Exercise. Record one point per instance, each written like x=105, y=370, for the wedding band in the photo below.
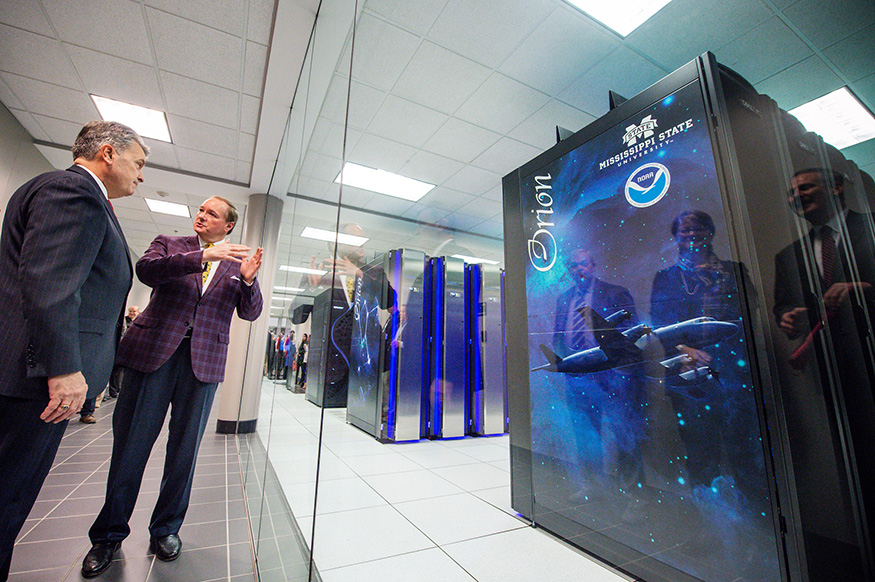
x=65, y=407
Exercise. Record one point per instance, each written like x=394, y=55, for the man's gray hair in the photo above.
x=98, y=133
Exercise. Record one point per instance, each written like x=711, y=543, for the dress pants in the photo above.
x=137, y=420
x=27, y=450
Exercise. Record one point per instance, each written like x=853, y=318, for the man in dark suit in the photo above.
x=572, y=331
x=825, y=296
x=174, y=356
x=64, y=276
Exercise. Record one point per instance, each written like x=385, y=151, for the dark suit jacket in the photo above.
x=64, y=276
x=172, y=267
x=607, y=299
x=793, y=286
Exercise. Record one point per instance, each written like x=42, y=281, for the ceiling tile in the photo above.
x=122, y=30
x=162, y=154
x=123, y=213
x=505, y=156
x=746, y=56
x=855, y=55
x=206, y=164
x=473, y=180
x=827, y=22
x=38, y=57
x=445, y=199
x=51, y=100
x=228, y=16
x=590, y=92
x=260, y=20
x=245, y=147
x=382, y=51
x=249, y=114
x=194, y=50
x=26, y=15
x=494, y=194
x=196, y=135
x=440, y=79
x=692, y=23
x=356, y=197
x=406, y=122
x=101, y=73
x=539, y=130
x=487, y=31
x=460, y=140
x=430, y=168
x=253, y=70
x=501, y=104
x=60, y=131
x=416, y=17
x=31, y=125
x=201, y=101
x=559, y=51
x=381, y=153
x=7, y=97
x=363, y=103
x=389, y=205
x=800, y=83
x=864, y=89
x=244, y=170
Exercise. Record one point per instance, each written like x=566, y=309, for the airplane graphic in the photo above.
x=643, y=347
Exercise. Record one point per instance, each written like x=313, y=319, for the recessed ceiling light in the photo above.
x=331, y=236
x=474, y=260
x=382, y=182
x=147, y=122
x=839, y=118
x=295, y=289
x=275, y=298
x=304, y=270
x=621, y=16
x=164, y=207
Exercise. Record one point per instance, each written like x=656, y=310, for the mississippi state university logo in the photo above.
x=647, y=185
x=643, y=129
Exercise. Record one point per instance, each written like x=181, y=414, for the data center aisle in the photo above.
x=426, y=511
x=215, y=536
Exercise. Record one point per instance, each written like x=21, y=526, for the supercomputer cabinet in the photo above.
x=660, y=417
x=486, y=365
x=327, y=369
x=447, y=381
x=386, y=359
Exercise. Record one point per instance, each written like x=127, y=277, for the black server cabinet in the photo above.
x=327, y=368
x=659, y=416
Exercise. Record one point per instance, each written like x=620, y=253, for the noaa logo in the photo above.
x=647, y=185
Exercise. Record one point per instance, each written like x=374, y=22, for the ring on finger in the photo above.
x=65, y=407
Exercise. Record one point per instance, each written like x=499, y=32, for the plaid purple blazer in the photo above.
x=172, y=267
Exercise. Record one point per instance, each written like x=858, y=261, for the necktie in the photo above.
x=350, y=287
x=207, y=266
x=827, y=254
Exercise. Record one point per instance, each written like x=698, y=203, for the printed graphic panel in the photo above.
x=644, y=419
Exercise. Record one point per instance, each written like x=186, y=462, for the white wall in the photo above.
x=19, y=159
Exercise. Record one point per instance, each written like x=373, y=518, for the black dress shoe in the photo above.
x=166, y=548
x=99, y=558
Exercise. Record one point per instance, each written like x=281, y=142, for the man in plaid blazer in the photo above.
x=174, y=356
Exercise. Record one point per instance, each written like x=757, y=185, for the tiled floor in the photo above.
x=215, y=535
x=430, y=510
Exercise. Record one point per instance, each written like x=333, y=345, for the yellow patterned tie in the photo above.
x=350, y=287
x=207, y=266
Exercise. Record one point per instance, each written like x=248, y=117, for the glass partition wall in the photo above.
x=351, y=473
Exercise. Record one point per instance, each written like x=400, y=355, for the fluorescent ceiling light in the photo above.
x=473, y=260
x=147, y=122
x=292, y=289
x=164, y=207
x=304, y=270
x=331, y=236
x=621, y=16
x=839, y=118
x=275, y=298
x=383, y=182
